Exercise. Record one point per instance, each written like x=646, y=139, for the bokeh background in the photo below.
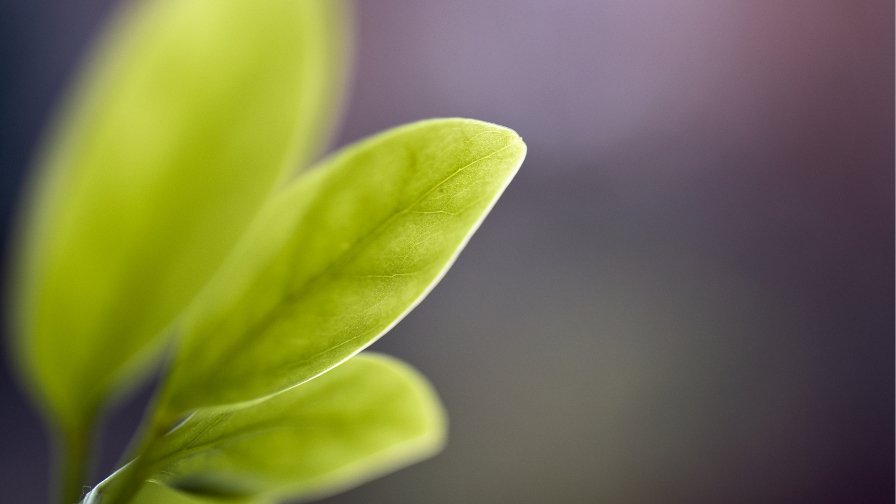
x=685, y=296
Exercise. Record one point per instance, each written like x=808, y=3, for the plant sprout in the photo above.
x=168, y=229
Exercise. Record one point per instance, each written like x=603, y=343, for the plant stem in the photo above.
x=73, y=462
x=129, y=479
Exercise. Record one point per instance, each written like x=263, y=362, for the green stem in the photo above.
x=129, y=479
x=73, y=462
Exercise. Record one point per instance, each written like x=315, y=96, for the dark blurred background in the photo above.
x=687, y=293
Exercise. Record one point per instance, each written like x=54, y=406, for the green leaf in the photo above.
x=157, y=493
x=365, y=418
x=338, y=258
x=187, y=118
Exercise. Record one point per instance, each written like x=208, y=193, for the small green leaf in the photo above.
x=365, y=418
x=338, y=258
x=157, y=493
x=189, y=115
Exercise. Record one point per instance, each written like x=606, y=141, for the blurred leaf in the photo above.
x=338, y=258
x=157, y=493
x=188, y=117
x=365, y=418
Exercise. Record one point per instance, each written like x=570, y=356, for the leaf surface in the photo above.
x=367, y=417
x=188, y=116
x=157, y=493
x=338, y=258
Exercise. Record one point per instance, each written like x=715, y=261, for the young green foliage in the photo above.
x=369, y=416
x=164, y=206
x=190, y=114
x=157, y=493
x=338, y=258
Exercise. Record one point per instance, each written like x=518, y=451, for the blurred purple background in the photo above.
x=687, y=293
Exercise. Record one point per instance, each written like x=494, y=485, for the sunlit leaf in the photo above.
x=367, y=417
x=188, y=116
x=338, y=258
